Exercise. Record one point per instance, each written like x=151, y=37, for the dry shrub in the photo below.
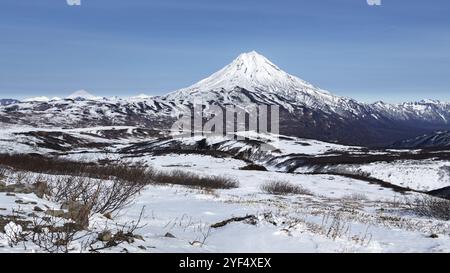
x=355, y=197
x=432, y=207
x=99, y=196
x=59, y=235
x=284, y=188
x=57, y=166
x=128, y=177
x=81, y=182
x=178, y=177
x=335, y=226
x=53, y=235
x=253, y=167
x=103, y=189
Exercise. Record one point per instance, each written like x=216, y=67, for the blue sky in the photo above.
x=397, y=52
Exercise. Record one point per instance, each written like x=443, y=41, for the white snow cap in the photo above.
x=251, y=71
x=141, y=96
x=36, y=99
x=83, y=94
x=256, y=73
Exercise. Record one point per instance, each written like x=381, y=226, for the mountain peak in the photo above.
x=37, y=99
x=255, y=73
x=253, y=52
x=141, y=96
x=82, y=94
x=251, y=71
x=254, y=64
x=252, y=57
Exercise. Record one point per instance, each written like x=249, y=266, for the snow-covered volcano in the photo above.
x=255, y=73
x=83, y=94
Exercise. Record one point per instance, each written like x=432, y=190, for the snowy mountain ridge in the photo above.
x=4, y=102
x=255, y=73
x=269, y=84
x=251, y=79
x=439, y=140
x=252, y=72
x=83, y=94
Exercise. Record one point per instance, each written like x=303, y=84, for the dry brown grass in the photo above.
x=178, y=177
x=130, y=176
x=57, y=166
x=253, y=167
x=432, y=207
x=284, y=188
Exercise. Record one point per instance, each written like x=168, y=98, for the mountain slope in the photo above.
x=266, y=82
x=83, y=95
x=4, y=102
x=308, y=111
x=255, y=73
x=440, y=139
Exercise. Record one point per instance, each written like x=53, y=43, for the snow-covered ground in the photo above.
x=321, y=185
x=302, y=224
x=340, y=214
x=425, y=175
